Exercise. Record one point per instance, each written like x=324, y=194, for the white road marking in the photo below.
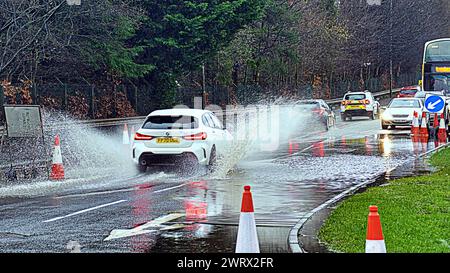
x=160, y=220
x=171, y=188
x=93, y=193
x=83, y=211
x=156, y=223
x=109, y=204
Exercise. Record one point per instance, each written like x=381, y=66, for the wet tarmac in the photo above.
x=304, y=172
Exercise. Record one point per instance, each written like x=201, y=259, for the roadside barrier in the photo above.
x=374, y=238
x=57, y=164
x=125, y=137
x=247, y=238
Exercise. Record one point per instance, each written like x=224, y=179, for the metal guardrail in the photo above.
x=139, y=119
x=94, y=122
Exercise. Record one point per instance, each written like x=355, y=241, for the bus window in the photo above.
x=440, y=83
x=438, y=51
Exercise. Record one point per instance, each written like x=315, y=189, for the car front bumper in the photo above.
x=356, y=112
x=393, y=122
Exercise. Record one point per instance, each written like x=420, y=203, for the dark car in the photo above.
x=319, y=111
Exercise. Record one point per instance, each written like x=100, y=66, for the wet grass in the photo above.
x=415, y=214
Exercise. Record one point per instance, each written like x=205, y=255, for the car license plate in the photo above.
x=165, y=140
x=352, y=107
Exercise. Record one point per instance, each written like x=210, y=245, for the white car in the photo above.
x=179, y=137
x=359, y=104
x=400, y=112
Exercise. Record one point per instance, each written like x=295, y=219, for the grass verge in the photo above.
x=414, y=212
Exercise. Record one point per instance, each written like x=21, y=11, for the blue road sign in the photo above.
x=434, y=104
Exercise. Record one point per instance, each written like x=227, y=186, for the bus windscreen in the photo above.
x=438, y=51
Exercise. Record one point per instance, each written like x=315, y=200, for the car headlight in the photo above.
x=386, y=116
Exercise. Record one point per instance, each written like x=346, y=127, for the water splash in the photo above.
x=89, y=155
x=261, y=128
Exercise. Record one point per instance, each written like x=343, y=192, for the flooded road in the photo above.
x=287, y=184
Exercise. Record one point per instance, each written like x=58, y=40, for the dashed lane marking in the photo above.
x=108, y=204
x=83, y=211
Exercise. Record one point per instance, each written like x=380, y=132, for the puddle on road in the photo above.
x=286, y=188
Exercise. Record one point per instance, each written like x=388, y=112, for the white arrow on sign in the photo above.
x=432, y=105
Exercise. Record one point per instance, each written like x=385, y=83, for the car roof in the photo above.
x=410, y=87
x=422, y=93
x=412, y=98
x=180, y=112
x=358, y=92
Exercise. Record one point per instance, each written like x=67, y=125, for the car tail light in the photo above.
x=138, y=136
x=366, y=101
x=199, y=136
x=344, y=102
x=319, y=111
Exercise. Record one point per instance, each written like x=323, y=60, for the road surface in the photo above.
x=109, y=210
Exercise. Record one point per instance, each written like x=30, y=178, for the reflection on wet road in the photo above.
x=286, y=184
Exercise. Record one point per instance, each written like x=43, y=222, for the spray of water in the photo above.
x=91, y=157
x=96, y=158
x=261, y=128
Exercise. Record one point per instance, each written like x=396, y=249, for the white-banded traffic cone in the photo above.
x=125, y=137
x=57, y=164
x=247, y=238
x=415, y=124
x=423, y=131
x=442, y=132
x=374, y=238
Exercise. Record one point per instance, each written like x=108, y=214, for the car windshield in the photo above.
x=408, y=92
x=170, y=122
x=355, y=96
x=404, y=104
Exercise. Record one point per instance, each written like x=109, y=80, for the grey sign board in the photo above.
x=23, y=120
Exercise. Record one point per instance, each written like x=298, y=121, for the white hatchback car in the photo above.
x=400, y=112
x=177, y=136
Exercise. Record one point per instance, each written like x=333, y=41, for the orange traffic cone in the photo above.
x=57, y=164
x=374, y=238
x=442, y=132
x=415, y=124
x=423, y=131
x=247, y=238
x=125, y=137
x=435, y=121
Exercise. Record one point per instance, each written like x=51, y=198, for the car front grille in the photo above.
x=400, y=116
